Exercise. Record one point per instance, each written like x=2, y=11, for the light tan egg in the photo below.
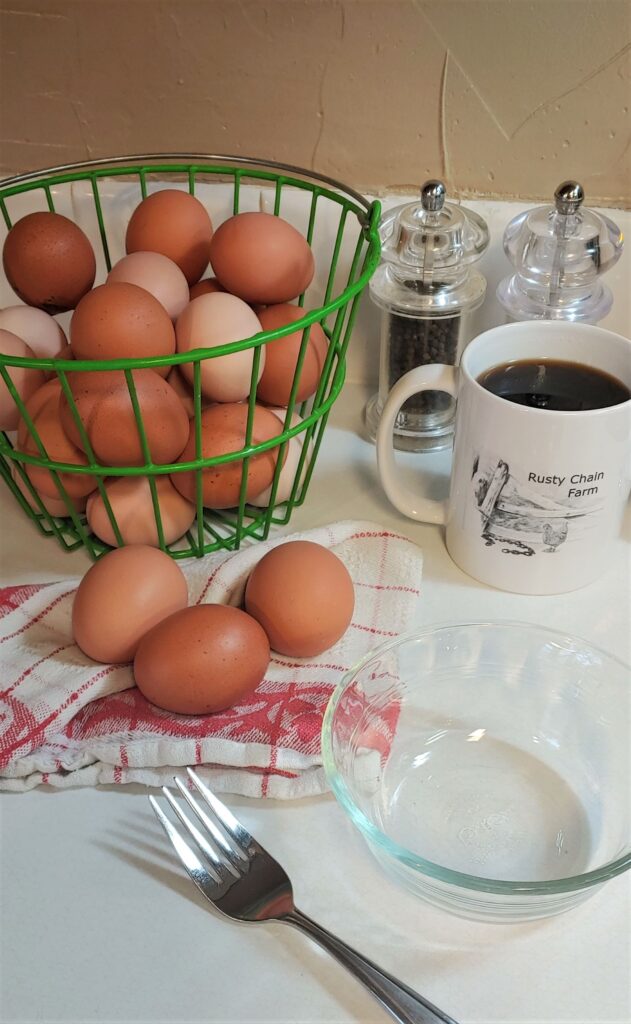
x=131, y=503
x=302, y=595
x=25, y=381
x=158, y=275
x=218, y=319
x=121, y=597
x=38, y=329
x=290, y=466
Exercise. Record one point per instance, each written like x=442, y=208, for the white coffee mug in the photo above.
x=536, y=496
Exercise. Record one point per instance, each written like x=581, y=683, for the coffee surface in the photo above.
x=554, y=384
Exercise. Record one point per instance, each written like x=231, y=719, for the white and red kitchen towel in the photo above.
x=67, y=721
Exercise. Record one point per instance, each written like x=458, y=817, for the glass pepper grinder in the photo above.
x=560, y=253
x=426, y=289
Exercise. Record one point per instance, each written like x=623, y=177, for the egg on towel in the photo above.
x=44, y=410
x=261, y=258
x=38, y=329
x=131, y=503
x=281, y=357
x=105, y=408
x=201, y=659
x=121, y=597
x=176, y=224
x=223, y=430
x=121, y=321
x=290, y=465
x=216, y=319
x=49, y=262
x=302, y=595
x=26, y=381
x=158, y=275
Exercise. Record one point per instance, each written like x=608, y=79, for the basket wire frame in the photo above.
x=217, y=528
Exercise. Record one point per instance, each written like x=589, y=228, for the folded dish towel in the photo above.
x=67, y=721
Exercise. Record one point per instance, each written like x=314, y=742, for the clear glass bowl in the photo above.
x=488, y=766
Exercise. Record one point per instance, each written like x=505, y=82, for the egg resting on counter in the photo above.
x=121, y=597
x=48, y=261
x=302, y=595
x=261, y=258
x=201, y=660
x=176, y=224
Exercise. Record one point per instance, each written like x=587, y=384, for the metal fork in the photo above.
x=244, y=882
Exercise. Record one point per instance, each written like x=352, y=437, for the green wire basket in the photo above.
x=352, y=241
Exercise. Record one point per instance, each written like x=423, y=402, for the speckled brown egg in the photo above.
x=175, y=224
x=281, y=357
x=261, y=258
x=121, y=321
x=44, y=410
x=48, y=261
x=121, y=597
x=106, y=411
x=202, y=659
x=25, y=381
x=302, y=595
x=222, y=431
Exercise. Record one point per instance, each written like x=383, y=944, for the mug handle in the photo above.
x=434, y=377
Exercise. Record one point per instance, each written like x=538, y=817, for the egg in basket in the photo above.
x=184, y=403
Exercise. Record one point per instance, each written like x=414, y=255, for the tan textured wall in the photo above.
x=497, y=97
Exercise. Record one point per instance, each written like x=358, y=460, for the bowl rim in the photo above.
x=463, y=880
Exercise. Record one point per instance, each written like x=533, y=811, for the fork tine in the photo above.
x=233, y=827
x=218, y=864
x=216, y=833
x=188, y=857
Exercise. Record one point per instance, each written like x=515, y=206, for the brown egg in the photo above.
x=175, y=224
x=202, y=659
x=25, y=381
x=302, y=595
x=105, y=408
x=121, y=321
x=223, y=430
x=121, y=597
x=49, y=262
x=43, y=408
x=55, y=506
x=281, y=357
x=132, y=507
x=261, y=258
x=205, y=287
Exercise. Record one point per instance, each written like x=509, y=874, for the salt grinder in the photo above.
x=560, y=253
x=426, y=290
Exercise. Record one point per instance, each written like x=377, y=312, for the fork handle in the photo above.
x=403, y=1004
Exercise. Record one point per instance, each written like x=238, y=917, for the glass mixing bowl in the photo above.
x=487, y=765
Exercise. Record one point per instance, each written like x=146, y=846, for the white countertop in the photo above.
x=100, y=924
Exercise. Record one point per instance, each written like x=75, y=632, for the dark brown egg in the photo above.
x=121, y=321
x=222, y=431
x=302, y=595
x=104, y=405
x=201, y=659
x=175, y=224
x=49, y=262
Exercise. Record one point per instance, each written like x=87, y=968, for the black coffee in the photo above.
x=554, y=384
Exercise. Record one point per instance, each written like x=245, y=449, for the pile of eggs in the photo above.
x=156, y=302
x=132, y=606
